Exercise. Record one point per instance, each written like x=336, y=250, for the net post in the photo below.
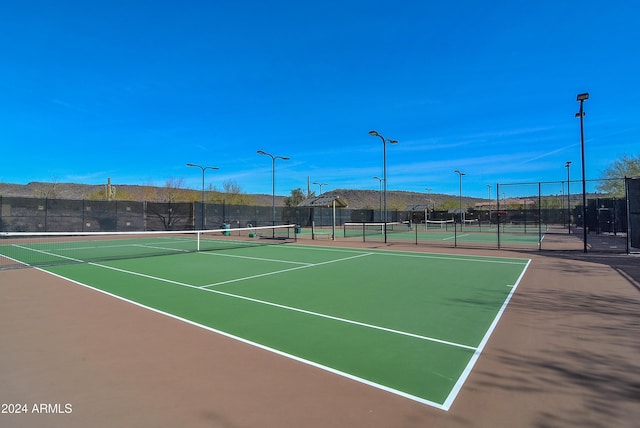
x=198, y=241
x=455, y=233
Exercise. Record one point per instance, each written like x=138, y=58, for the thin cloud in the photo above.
x=68, y=105
x=547, y=154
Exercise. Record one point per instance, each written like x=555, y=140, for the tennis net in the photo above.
x=23, y=249
x=352, y=229
x=439, y=225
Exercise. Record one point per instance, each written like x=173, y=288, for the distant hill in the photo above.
x=123, y=192
x=54, y=190
x=357, y=199
x=396, y=200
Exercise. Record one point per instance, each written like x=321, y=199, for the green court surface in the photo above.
x=410, y=323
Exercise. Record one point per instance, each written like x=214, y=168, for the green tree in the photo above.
x=297, y=196
x=613, y=183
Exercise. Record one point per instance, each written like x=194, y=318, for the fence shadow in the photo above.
x=578, y=356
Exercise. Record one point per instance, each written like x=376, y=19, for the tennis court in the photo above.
x=413, y=324
x=449, y=233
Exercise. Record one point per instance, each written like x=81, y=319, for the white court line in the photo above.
x=160, y=248
x=258, y=345
x=457, y=236
x=90, y=248
x=445, y=406
x=465, y=259
x=49, y=254
x=213, y=253
x=450, y=398
x=426, y=255
x=465, y=374
x=287, y=270
x=499, y=260
x=98, y=247
x=291, y=308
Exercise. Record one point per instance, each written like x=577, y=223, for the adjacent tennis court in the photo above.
x=413, y=324
x=449, y=232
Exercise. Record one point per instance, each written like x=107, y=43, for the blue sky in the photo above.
x=133, y=90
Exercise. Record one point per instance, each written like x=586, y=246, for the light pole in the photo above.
x=203, y=168
x=384, y=174
x=580, y=114
x=460, y=197
x=273, y=185
x=568, y=166
x=489, y=190
x=380, y=180
x=320, y=184
x=428, y=190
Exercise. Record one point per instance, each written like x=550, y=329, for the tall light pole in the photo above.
x=580, y=114
x=321, y=219
x=320, y=184
x=568, y=166
x=489, y=190
x=384, y=174
x=380, y=180
x=273, y=184
x=203, y=168
x=426, y=211
x=457, y=171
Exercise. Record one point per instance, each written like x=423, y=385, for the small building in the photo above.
x=327, y=201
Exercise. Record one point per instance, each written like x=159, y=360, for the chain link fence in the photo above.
x=537, y=215
x=552, y=216
x=24, y=214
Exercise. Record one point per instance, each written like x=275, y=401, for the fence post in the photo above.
x=498, y=212
x=539, y=218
